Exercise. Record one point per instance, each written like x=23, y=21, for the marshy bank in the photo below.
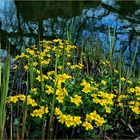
x=71, y=70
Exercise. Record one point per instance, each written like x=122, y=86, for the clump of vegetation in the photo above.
x=60, y=97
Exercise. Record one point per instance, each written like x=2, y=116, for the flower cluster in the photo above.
x=76, y=100
x=132, y=98
x=93, y=116
x=104, y=99
x=60, y=84
x=22, y=97
x=39, y=112
x=68, y=120
x=135, y=103
x=86, y=86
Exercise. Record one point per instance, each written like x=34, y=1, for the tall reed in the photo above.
x=4, y=86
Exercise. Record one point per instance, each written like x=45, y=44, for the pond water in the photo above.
x=24, y=23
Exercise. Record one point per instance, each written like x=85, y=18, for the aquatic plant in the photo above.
x=61, y=96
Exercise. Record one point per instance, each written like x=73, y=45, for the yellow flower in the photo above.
x=80, y=66
x=36, y=113
x=61, y=118
x=68, y=63
x=57, y=111
x=131, y=90
x=17, y=57
x=44, y=109
x=22, y=97
x=45, y=62
x=123, y=79
x=64, y=91
x=135, y=106
x=64, y=76
x=60, y=67
x=129, y=81
x=92, y=116
x=68, y=120
x=83, y=83
x=31, y=101
x=44, y=77
x=103, y=98
x=50, y=74
x=107, y=62
x=100, y=121
x=48, y=55
x=89, y=118
x=136, y=109
x=35, y=64
x=13, y=99
x=103, y=82
x=26, y=67
x=76, y=120
x=137, y=90
x=57, y=40
x=107, y=109
x=120, y=104
x=61, y=47
x=60, y=98
x=39, y=112
x=31, y=52
x=87, y=88
x=103, y=62
x=87, y=125
x=122, y=97
x=94, y=88
x=77, y=100
x=49, y=89
x=34, y=90
x=116, y=71
x=96, y=85
x=22, y=55
x=61, y=92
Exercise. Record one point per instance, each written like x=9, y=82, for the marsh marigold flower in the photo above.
x=76, y=99
x=103, y=82
x=39, y=112
x=87, y=125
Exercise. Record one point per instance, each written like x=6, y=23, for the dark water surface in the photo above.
x=23, y=23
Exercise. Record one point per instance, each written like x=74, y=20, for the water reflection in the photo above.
x=24, y=24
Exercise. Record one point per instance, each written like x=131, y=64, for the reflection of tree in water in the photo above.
x=49, y=20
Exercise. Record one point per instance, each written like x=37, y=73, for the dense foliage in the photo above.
x=58, y=96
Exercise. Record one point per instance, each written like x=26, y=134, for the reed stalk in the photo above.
x=25, y=110
x=53, y=98
x=4, y=86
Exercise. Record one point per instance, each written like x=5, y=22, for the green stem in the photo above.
x=63, y=61
x=11, y=125
x=120, y=73
x=130, y=70
x=43, y=129
x=53, y=99
x=3, y=94
x=25, y=111
x=31, y=73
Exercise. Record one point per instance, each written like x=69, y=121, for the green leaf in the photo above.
x=16, y=122
x=107, y=127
